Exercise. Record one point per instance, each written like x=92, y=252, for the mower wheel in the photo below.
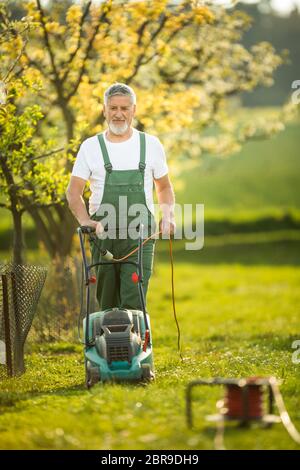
x=147, y=374
x=92, y=375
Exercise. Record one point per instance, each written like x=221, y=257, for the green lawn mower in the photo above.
x=117, y=342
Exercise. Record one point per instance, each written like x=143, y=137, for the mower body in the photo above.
x=117, y=348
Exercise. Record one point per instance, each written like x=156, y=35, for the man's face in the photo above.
x=119, y=113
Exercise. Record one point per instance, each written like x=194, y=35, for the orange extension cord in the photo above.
x=136, y=249
x=173, y=298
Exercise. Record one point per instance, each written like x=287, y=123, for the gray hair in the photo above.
x=119, y=89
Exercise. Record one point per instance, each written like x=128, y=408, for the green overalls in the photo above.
x=115, y=287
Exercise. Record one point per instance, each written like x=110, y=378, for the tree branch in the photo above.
x=46, y=154
x=15, y=62
x=70, y=60
x=139, y=60
x=103, y=18
x=46, y=38
x=57, y=81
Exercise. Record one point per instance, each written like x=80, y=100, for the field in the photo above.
x=237, y=304
x=260, y=180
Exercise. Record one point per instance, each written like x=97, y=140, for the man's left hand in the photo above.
x=167, y=227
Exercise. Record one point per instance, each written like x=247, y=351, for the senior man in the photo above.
x=121, y=165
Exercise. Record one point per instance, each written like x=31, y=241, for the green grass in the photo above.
x=262, y=180
x=237, y=318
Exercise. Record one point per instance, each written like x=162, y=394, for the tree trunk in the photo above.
x=18, y=244
x=56, y=228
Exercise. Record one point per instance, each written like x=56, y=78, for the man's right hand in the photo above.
x=93, y=223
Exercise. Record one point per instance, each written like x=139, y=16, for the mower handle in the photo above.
x=87, y=229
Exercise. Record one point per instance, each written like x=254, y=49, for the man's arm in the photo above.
x=76, y=203
x=166, y=200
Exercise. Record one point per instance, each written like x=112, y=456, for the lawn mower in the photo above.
x=117, y=341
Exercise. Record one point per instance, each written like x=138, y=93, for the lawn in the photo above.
x=237, y=318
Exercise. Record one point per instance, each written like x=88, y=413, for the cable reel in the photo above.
x=245, y=401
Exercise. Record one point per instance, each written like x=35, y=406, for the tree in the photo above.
x=25, y=181
x=184, y=60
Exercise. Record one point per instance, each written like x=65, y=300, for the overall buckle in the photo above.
x=108, y=167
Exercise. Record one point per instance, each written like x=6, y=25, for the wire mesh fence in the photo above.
x=44, y=305
x=61, y=307
x=20, y=289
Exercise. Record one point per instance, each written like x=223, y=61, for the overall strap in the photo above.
x=142, y=163
x=107, y=164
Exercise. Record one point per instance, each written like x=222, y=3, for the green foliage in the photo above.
x=34, y=181
x=26, y=175
x=26, y=180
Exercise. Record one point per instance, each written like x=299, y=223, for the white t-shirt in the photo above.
x=89, y=164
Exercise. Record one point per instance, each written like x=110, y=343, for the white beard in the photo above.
x=118, y=130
